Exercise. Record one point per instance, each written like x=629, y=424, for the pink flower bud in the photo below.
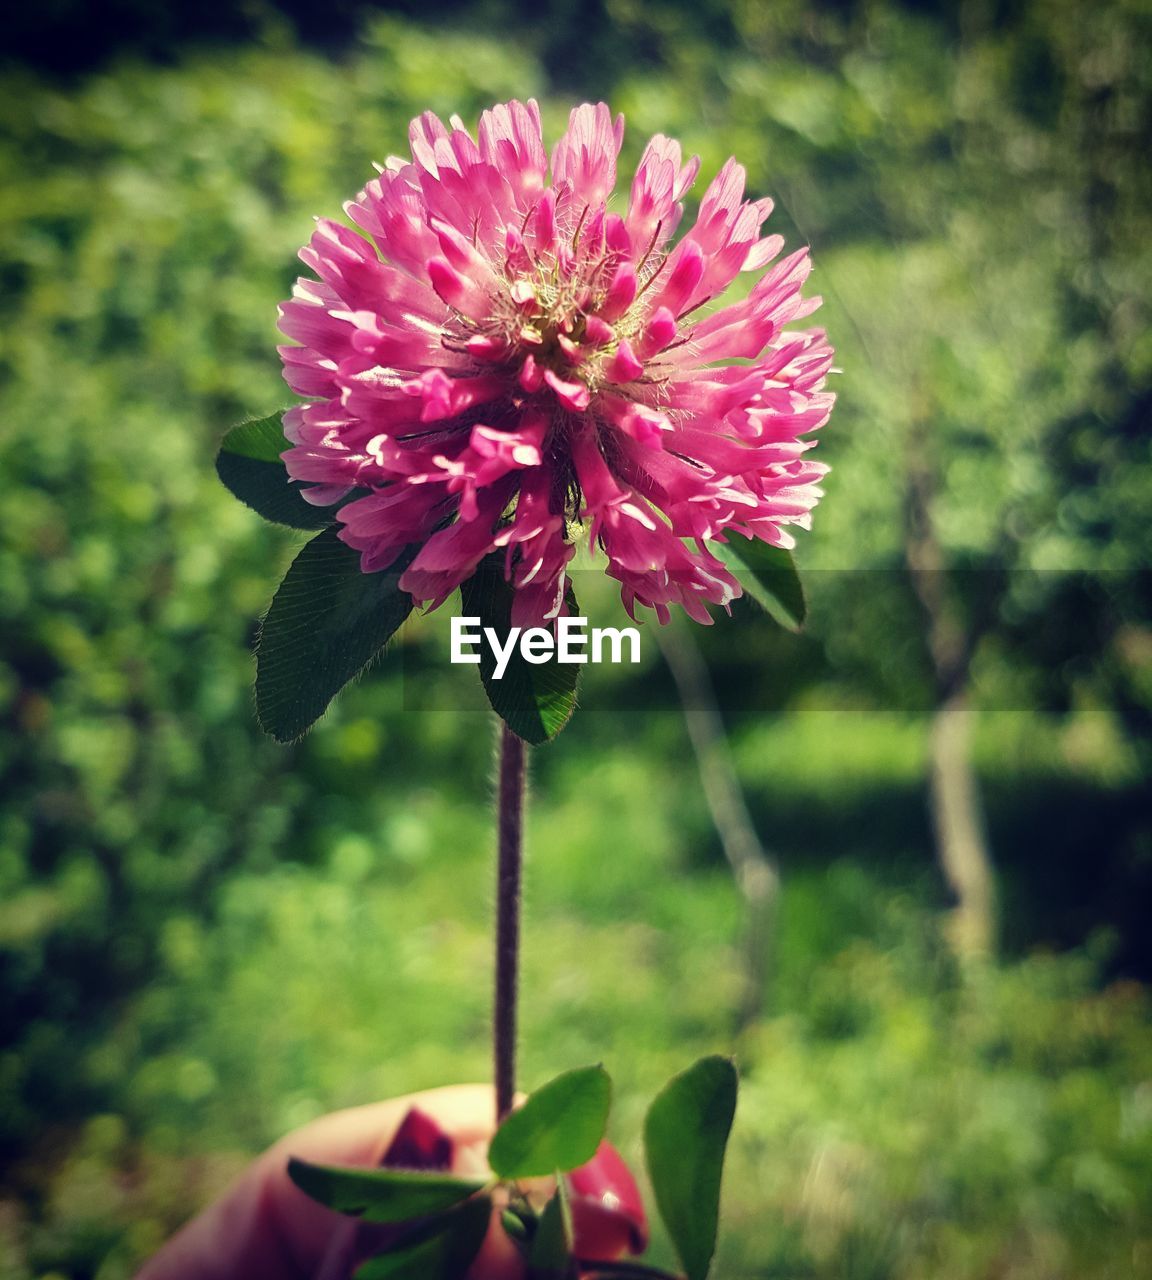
x=608, y=1219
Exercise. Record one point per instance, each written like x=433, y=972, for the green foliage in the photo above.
x=328, y=620
x=147, y=229
x=890, y=1119
x=534, y=699
x=551, y=1254
x=249, y=466
x=769, y=576
x=440, y=1250
x=557, y=1129
x=326, y=623
x=206, y=939
x=685, y=1136
x=381, y=1195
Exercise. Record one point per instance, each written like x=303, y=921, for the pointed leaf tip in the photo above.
x=768, y=574
x=685, y=1136
x=381, y=1195
x=251, y=468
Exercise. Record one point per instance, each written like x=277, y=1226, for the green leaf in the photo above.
x=551, y=1256
x=326, y=622
x=514, y=1225
x=439, y=1250
x=535, y=701
x=260, y=439
x=685, y=1133
x=250, y=466
x=559, y=1127
x=768, y=574
x=381, y=1195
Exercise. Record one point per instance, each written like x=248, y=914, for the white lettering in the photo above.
x=615, y=637
x=537, y=645
x=572, y=638
x=462, y=634
x=566, y=641
x=502, y=655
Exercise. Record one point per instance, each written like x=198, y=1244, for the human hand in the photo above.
x=265, y=1228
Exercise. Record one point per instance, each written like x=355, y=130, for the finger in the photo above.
x=265, y=1228
x=499, y=1259
x=361, y=1136
x=466, y=1113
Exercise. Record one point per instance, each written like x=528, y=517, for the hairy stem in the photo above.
x=510, y=825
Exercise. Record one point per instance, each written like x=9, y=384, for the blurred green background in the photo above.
x=934, y=968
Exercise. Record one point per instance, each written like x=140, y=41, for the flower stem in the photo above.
x=510, y=824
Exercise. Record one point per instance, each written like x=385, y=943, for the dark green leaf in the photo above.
x=381, y=1195
x=535, y=701
x=768, y=574
x=327, y=621
x=559, y=1127
x=249, y=464
x=685, y=1133
x=551, y=1256
x=260, y=439
x=439, y=1250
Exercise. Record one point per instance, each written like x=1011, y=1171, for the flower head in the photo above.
x=500, y=361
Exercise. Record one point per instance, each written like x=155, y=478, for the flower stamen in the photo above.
x=561, y=386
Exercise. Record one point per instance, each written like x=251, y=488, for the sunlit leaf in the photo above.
x=685, y=1135
x=558, y=1128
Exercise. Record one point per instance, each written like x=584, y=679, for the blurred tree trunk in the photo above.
x=957, y=820
x=755, y=873
x=954, y=790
